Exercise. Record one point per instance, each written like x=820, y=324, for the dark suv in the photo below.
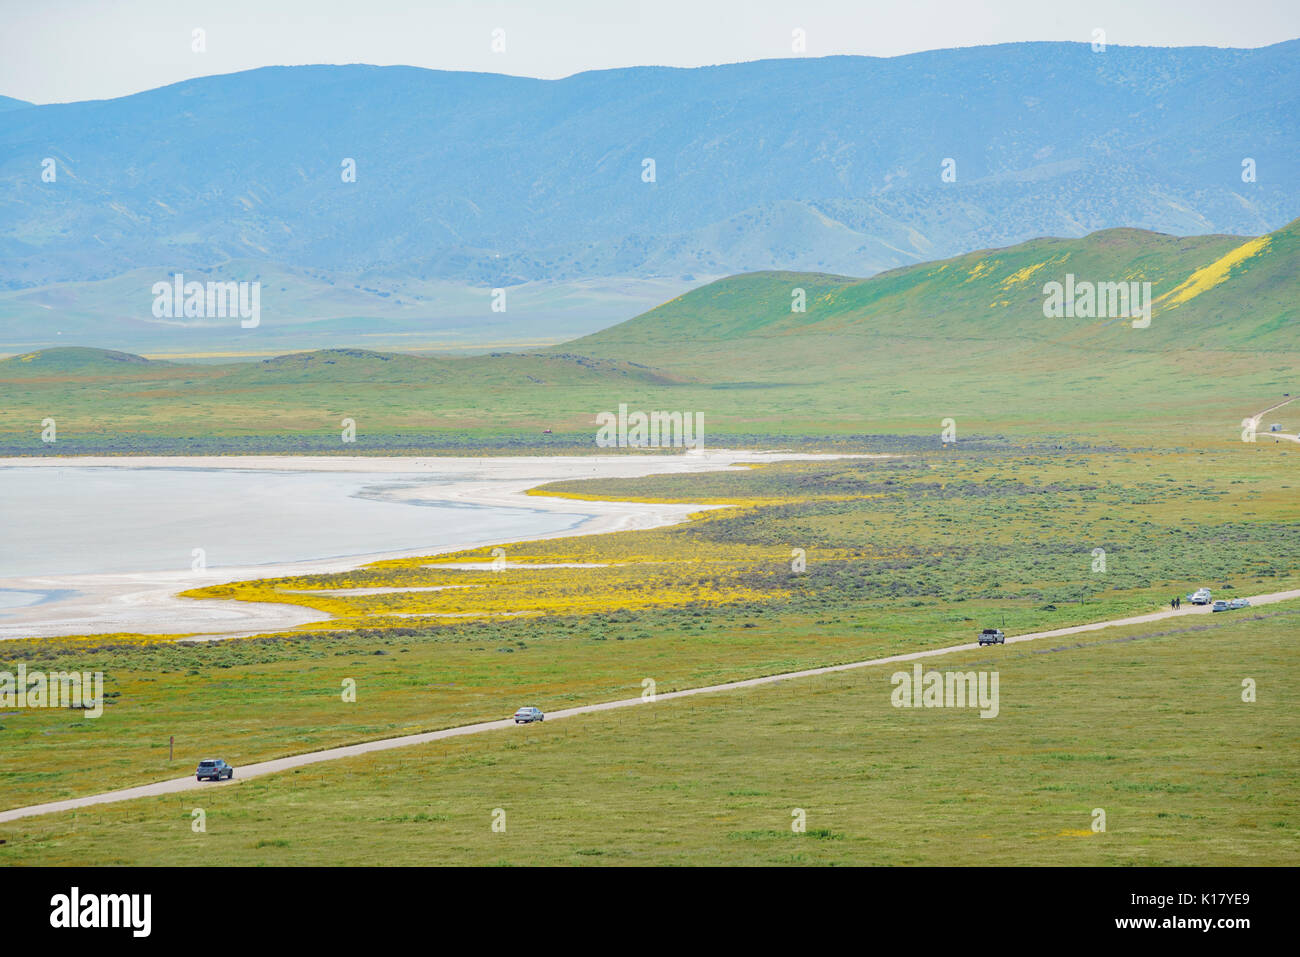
x=214, y=770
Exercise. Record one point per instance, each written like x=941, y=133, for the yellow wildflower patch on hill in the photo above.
x=1020, y=276
x=982, y=268
x=1207, y=277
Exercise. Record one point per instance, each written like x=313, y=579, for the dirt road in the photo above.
x=1255, y=419
x=334, y=754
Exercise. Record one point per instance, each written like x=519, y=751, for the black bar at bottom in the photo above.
x=629, y=907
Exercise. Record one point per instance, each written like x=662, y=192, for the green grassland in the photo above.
x=903, y=554
x=1147, y=724
x=892, y=355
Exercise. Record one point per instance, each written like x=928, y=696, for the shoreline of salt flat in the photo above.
x=147, y=602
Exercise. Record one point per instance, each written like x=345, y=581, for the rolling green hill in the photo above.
x=110, y=402
x=895, y=354
x=1239, y=294
x=76, y=359
x=967, y=338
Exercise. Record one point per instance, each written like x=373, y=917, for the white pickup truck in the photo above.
x=1200, y=597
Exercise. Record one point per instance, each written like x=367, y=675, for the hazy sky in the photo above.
x=58, y=50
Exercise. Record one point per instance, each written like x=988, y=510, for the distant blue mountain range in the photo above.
x=827, y=164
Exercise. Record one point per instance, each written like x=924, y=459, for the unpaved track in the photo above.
x=1255, y=419
x=334, y=754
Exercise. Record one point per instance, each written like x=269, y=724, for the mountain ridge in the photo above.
x=828, y=164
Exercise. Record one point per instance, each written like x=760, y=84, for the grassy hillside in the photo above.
x=108, y=402
x=73, y=360
x=1210, y=292
x=965, y=338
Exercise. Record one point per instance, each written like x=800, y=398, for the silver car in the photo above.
x=213, y=769
x=1239, y=603
x=529, y=715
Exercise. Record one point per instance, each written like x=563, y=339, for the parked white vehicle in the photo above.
x=1200, y=597
x=529, y=715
